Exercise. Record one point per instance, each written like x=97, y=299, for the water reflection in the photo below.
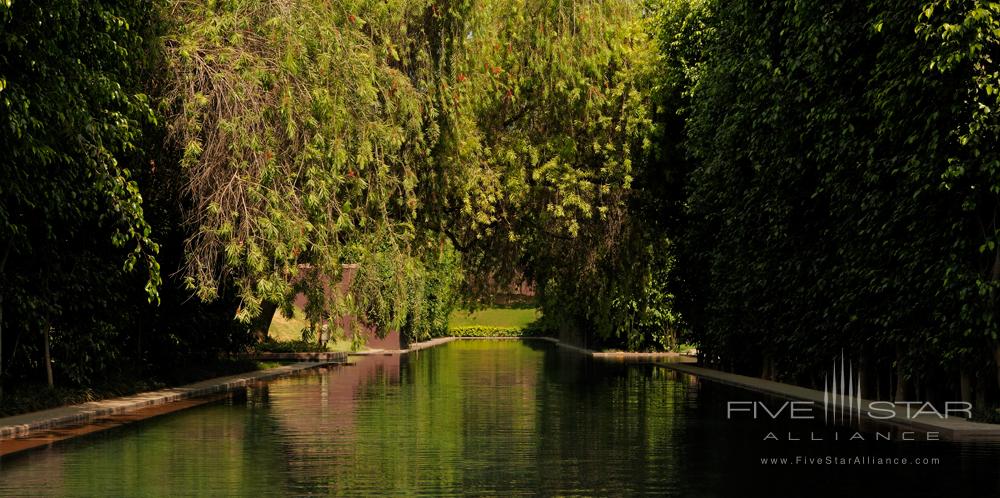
x=477, y=417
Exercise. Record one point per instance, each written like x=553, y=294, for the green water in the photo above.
x=494, y=418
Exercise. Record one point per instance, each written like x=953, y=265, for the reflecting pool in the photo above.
x=486, y=417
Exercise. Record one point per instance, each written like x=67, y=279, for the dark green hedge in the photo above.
x=272, y=346
x=842, y=177
x=493, y=331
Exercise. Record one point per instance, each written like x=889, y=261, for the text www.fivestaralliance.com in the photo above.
x=852, y=460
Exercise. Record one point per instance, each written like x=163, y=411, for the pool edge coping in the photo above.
x=951, y=429
x=23, y=424
x=16, y=426
x=417, y=346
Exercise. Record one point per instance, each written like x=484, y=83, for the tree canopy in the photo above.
x=780, y=182
x=840, y=198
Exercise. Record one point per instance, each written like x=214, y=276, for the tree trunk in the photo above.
x=995, y=275
x=3, y=264
x=981, y=387
x=866, y=377
x=263, y=322
x=1, y=338
x=879, y=370
x=139, y=364
x=901, y=382
x=768, y=369
x=965, y=386
x=996, y=359
x=48, y=359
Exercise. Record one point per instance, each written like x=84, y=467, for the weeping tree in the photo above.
x=392, y=134
x=544, y=121
x=302, y=126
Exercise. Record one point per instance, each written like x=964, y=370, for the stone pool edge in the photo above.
x=24, y=424
x=21, y=425
x=950, y=429
x=417, y=346
x=16, y=426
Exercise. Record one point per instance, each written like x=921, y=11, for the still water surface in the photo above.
x=494, y=418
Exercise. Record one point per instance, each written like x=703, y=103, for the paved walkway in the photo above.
x=21, y=425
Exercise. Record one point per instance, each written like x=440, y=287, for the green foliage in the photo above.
x=797, y=179
x=966, y=41
x=436, y=298
x=545, y=120
x=302, y=138
x=366, y=133
x=495, y=331
x=505, y=316
x=72, y=224
x=71, y=113
x=303, y=127
x=292, y=346
x=842, y=186
x=301, y=134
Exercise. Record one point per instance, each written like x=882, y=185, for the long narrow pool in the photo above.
x=496, y=418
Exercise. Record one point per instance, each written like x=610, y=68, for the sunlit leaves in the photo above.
x=301, y=129
x=72, y=122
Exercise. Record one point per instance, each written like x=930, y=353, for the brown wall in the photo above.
x=392, y=340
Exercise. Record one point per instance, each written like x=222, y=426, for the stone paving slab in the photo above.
x=23, y=424
x=952, y=428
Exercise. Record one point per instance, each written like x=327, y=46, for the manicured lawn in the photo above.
x=494, y=317
x=287, y=329
x=290, y=329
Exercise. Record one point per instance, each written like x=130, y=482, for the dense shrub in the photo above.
x=72, y=225
x=842, y=193
x=495, y=331
x=293, y=346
